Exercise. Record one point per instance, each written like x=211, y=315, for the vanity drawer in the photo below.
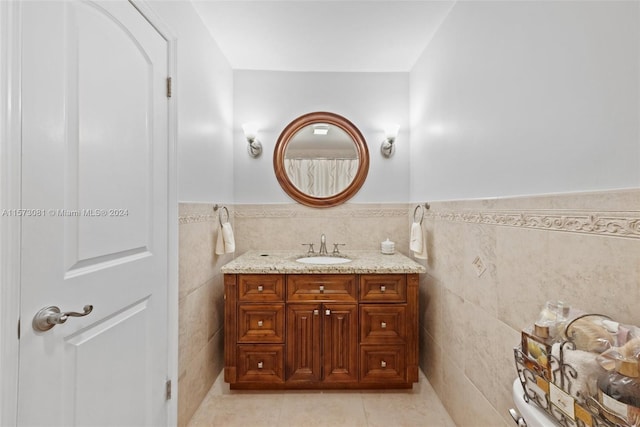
x=382, y=364
x=322, y=287
x=383, y=288
x=261, y=323
x=261, y=287
x=383, y=324
x=261, y=363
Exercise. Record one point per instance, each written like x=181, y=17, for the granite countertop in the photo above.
x=284, y=262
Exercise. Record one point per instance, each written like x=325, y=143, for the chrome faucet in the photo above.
x=323, y=245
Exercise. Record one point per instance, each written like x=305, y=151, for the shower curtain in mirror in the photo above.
x=321, y=177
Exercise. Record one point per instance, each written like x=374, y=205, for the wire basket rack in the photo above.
x=587, y=411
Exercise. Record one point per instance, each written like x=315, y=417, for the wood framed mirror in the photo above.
x=321, y=159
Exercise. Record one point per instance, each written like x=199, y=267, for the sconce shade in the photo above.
x=391, y=132
x=250, y=130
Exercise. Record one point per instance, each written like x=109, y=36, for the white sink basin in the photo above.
x=323, y=260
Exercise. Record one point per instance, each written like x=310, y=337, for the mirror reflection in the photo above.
x=321, y=160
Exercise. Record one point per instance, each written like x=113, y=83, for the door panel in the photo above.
x=94, y=374
x=303, y=359
x=340, y=342
x=95, y=155
x=111, y=150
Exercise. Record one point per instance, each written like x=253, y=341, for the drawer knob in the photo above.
x=327, y=312
x=321, y=288
x=383, y=325
x=260, y=288
x=383, y=364
x=383, y=288
x=260, y=365
x=260, y=323
x=316, y=312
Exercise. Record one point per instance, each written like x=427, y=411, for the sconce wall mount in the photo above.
x=254, y=148
x=388, y=147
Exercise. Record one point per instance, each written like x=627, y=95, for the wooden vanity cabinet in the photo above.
x=321, y=330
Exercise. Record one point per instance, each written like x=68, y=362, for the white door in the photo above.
x=94, y=229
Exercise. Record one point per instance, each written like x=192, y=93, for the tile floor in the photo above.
x=395, y=408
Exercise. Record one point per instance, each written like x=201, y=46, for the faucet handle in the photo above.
x=336, y=251
x=310, y=251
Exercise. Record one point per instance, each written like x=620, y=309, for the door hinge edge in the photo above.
x=168, y=390
x=18, y=328
x=169, y=87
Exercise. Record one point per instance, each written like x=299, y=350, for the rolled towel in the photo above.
x=225, y=244
x=418, y=241
x=587, y=368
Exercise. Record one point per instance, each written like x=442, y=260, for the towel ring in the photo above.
x=223, y=209
x=421, y=214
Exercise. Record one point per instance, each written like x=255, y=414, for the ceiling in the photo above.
x=323, y=35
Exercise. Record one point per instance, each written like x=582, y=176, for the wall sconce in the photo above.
x=390, y=134
x=250, y=132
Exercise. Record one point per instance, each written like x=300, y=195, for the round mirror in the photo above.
x=321, y=159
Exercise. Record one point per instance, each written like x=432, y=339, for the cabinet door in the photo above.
x=340, y=323
x=303, y=343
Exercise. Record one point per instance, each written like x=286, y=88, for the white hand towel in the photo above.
x=587, y=368
x=418, y=241
x=415, y=239
x=225, y=244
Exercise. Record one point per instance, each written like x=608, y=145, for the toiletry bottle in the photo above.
x=551, y=320
x=619, y=392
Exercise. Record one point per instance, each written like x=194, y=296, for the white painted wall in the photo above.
x=273, y=99
x=204, y=91
x=514, y=98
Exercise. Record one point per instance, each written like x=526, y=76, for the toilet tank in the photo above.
x=532, y=415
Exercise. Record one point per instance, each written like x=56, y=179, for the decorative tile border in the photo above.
x=614, y=223
x=190, y=219
x=189, y=213
x=203, y=212
x=619, y=224
x=361, y=211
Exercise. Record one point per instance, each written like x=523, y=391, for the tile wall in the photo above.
x=581, y=248
x=201, y=314
x=277, y=226
x=360, y=226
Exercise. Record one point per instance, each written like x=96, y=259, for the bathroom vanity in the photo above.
x=290, y=325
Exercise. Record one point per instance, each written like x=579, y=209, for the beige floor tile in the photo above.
x=419, y=406
x=230, y=411
x=323, y=410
